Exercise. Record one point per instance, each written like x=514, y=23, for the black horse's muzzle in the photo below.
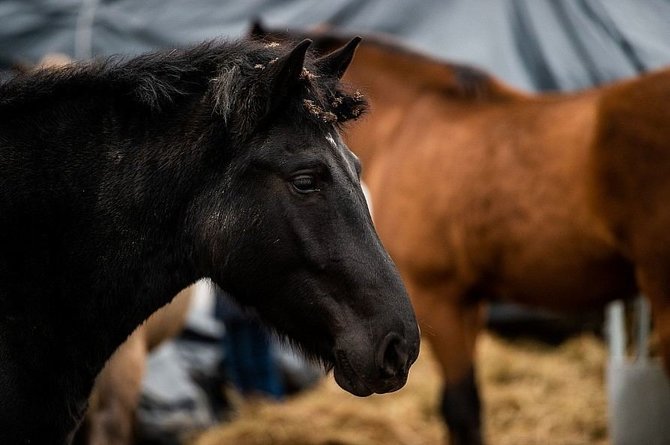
x=381, y=370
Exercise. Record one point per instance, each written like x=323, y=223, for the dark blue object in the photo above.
x=248, y=361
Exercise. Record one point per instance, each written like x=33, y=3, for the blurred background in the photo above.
x=533, y=393
x=532, y=44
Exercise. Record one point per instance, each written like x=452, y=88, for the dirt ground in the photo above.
x=533, y=395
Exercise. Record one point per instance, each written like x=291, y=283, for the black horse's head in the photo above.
x=285, y=228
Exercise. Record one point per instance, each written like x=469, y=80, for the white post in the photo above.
x=616, y=331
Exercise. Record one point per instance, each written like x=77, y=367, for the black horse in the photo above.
x=122, y=182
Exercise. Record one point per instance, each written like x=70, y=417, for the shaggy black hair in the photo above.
x=224, y=73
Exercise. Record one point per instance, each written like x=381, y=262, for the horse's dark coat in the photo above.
x=122, y=182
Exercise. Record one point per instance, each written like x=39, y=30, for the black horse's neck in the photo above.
x=79, y=194
x=152, y=80
x=110, y=192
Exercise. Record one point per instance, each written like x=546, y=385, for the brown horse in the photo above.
x=483, y=192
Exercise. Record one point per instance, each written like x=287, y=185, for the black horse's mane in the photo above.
x=161, y=79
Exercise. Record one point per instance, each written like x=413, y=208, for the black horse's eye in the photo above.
x=304, y=183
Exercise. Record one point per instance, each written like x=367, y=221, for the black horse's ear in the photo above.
x=284, y=73
x=337, y=62
x=257, y=30
x=277, y=81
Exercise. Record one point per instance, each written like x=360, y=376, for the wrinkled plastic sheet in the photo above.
x=532, y=44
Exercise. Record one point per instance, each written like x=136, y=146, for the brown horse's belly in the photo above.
x=568, y=282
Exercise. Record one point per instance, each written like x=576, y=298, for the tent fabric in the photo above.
x=531, y=44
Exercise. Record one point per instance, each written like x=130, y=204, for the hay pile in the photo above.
x=533, y=394
x=536, y=394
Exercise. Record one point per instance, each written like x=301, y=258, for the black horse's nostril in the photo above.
x=393, y=355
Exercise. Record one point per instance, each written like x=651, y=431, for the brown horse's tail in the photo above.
x=631, y=152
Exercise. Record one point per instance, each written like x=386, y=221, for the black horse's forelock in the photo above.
x=319, y=97
x=225, y=73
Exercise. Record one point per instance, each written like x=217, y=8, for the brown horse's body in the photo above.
x=482, y=192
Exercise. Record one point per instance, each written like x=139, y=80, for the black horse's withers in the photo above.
x=123, y=182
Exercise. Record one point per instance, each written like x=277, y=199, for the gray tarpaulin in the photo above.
x=532, y=44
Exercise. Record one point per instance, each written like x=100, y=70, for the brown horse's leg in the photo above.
x=116, y=394
x=451, y=328
x=461, y=409
x=655, y=284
